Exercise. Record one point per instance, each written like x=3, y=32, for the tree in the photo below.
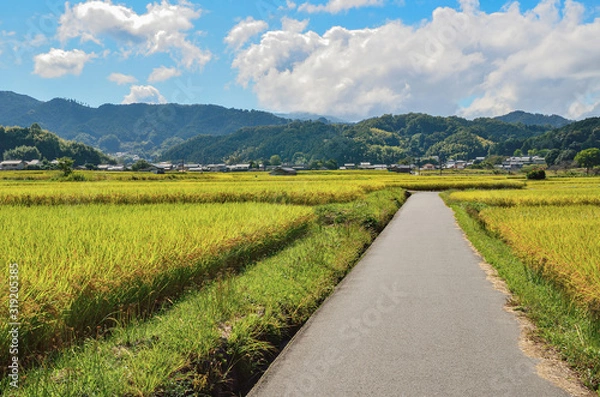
x=26, y=153
x=275, y=160
x=140, y=165
x=565, y=157
x=65, y=164
x=552, y=156
x=299, y=158
x=331, y=164
x=536, y=174
x=109, y=143
x=588, y=158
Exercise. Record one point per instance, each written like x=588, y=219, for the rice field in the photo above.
x=83, y=267
x=309, y=189
x=175, y=192
x=552, y=226
x=561, y=242
x=108, y=248
x=559, y=195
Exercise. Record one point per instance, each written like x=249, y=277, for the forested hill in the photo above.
x=534, y=119
x=387, y=139
x=139, y=128
x=33, y=143
x=564, y=143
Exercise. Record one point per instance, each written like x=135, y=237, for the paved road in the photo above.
x=416, y=317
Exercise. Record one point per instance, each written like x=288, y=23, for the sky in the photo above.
x=351, y=59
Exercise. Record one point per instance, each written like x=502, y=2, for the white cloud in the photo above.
x=162, y=74
x=244, y=31
x=292, y=25
x=469, y=6
x=37, y=40
x=57, y=63
x=121, y=79
x=160, y=30
x=143, y=94
x=337, y=6
x=544, y=60
x=289, y=5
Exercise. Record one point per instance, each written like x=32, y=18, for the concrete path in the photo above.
x=416, y=317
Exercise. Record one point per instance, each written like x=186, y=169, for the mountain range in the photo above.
x=522, y=117
x=211, y=133
x=138, y=128
x=386, y=139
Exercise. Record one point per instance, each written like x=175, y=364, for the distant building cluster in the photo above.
x=17, y=165
x=430, y=163
x=516, y=163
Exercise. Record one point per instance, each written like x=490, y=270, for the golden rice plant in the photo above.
x=562, y=195
x=83, y=267
x=187, y=191
x=561, y=242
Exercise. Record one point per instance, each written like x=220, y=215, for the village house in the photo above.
x=516, y=163
x=239, y=167
x=216, y=168
x=13, y=165
x=283, y=171
x=400, y=168
x=457, y=164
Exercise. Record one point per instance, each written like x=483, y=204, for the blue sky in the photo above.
x=346, y=58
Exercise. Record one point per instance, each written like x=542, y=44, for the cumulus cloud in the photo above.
x=160, y=30
x=337, y=6
x=121, y=79
x=244, y=31
x=162, y=74
x=143, y=94
x=293, y=25
x=57, y=63
x=543, y=60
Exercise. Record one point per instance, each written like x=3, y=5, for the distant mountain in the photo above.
x=139, y=128
x=576, y=136
x=12, y=103
x=387, y=139
x=534, y=119
x=33, y=143
x=312, y=117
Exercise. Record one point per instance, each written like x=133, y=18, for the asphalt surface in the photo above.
x=416, y=317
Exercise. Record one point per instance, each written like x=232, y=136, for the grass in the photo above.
x=571, y=329
x=218, y=339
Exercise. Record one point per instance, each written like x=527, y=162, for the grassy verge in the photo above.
x=570, y=330
x=216, y=341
